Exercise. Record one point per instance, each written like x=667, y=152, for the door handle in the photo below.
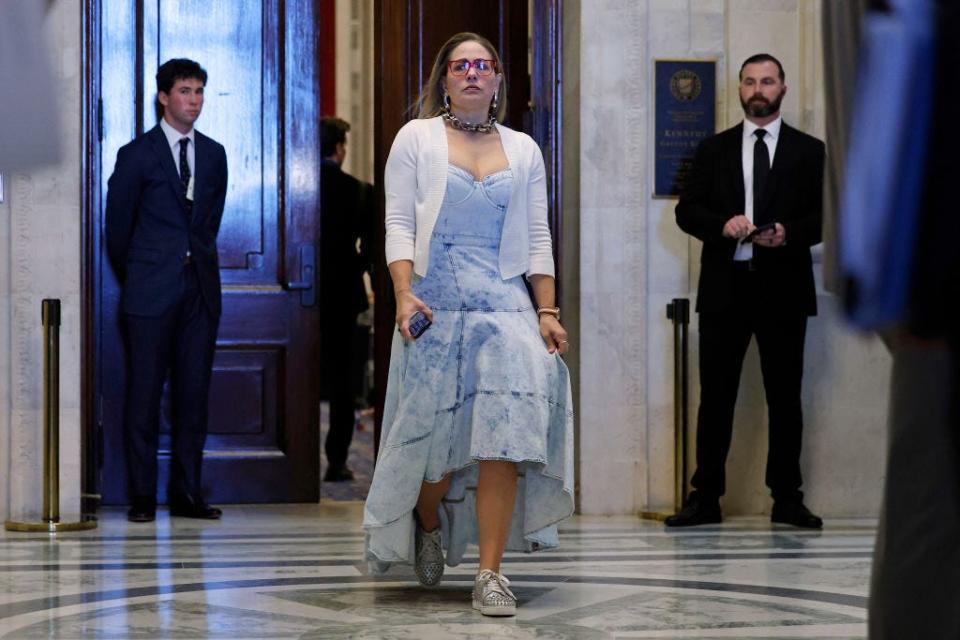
x=306, y=284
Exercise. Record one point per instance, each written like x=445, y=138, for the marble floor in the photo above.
x=293, y=572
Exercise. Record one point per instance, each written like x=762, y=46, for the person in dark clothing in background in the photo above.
x=346, y=212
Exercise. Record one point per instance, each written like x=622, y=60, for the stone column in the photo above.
x=614, y=138
x=40, y=236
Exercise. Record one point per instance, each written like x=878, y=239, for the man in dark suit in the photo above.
x=346, y=211
x=164, y=204
x=761, y=174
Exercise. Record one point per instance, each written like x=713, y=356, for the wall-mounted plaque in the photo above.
x=686, y=100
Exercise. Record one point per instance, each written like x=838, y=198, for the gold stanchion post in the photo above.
x=51, y=432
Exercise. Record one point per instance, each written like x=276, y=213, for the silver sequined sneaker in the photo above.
x=428, y=563
x=492, y=595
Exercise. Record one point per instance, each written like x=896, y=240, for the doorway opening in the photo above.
x=348, y=214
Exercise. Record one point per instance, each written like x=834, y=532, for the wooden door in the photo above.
x=261, y=103
x=407, y=36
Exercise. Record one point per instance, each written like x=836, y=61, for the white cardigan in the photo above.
x=415, y=180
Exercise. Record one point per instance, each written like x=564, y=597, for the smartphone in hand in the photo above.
x=770, y=226
x=418, y=324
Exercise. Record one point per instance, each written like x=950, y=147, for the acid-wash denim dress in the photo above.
x=479, y=384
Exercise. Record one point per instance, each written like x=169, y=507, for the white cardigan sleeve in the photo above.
x=400, y=186
x=541, y=249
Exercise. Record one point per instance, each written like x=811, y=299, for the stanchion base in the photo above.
x=50, y=527
x=659, y=516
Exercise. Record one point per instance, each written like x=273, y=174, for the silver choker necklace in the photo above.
x=457, y=123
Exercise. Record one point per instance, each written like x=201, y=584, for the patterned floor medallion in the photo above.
x=294, y=571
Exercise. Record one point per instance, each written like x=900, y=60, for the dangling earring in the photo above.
x=493, y=106
x=446, y=101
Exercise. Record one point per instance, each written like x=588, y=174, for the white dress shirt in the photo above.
x=173, y=139
x=745, y=251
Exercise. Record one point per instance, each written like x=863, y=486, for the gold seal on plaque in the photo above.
x=685, y=85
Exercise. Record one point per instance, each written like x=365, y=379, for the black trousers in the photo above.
x=182, y=341
x=340, y=355
x=724, y=338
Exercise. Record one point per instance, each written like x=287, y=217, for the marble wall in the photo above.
x=354, y=83
x=6, y=394
x=40, y=258
x=634, y=260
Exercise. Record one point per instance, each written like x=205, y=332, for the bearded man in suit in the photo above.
x=754, y=199
x=164, y=204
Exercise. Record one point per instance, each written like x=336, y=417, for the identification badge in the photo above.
x=190, y=189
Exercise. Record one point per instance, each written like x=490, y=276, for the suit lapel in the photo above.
x=733, y=154
x=159, y=142
x=201, y=170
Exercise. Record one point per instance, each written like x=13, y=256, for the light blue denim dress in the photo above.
x=479, y=384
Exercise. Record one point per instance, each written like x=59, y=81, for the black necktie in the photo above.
x=184, y=165
x=185, y=172
x=761, y=169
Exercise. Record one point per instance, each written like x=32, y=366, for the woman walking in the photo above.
x=477, y=442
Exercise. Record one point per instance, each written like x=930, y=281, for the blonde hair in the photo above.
x=430, y=102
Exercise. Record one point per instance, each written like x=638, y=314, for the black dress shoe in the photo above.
x=338, y=474
x=191, y=507
x=794, y=512
x=142, y=510
x=698, y=511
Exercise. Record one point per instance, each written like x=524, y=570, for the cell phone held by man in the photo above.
x=770, y=226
